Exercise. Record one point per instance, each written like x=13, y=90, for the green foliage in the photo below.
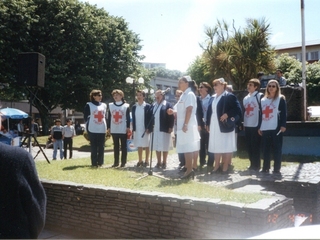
x=166, y=73
x=313, y=83
x=238, y=55
x=199, y=71
x=85, y=49
x=292, y=69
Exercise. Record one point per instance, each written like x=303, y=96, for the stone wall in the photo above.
x=305, y=195
x=105, y=212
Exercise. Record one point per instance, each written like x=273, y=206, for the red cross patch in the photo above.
x=117, y=116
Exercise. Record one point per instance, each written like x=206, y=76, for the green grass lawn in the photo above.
x=80, y=171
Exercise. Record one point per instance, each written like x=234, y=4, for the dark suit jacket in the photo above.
x=232, y=108
x=147, y=117
x=22, y=197
x=199, y=113
x=166, y=121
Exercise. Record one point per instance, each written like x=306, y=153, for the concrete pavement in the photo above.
x=39, y=155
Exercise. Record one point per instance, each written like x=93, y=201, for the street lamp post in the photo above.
x=148, y=92
x=132, y=81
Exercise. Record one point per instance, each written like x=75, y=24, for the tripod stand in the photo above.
x=29, y=136
x=150, y=172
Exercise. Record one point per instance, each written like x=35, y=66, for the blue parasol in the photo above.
x=12, y=113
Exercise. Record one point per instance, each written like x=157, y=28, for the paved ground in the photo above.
x=302, y=172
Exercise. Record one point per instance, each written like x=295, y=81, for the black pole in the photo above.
x=152, y=133
x=30, y=135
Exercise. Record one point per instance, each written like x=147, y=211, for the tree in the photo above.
x=85, y=48
x=291, y=68
x=313, y=83
x=292, y=71
x=238, y=55
x=199, y=71
x=166, y=73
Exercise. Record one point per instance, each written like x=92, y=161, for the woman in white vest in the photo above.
x=273, y=124
x=119, y=126
x=251, y=122
x=95, y=118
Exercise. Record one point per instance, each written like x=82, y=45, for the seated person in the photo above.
x=5, y=133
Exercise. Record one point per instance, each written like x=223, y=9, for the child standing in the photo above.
x=119, y=125
x=56, y=133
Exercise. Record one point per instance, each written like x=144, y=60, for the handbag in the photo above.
x=230, y=123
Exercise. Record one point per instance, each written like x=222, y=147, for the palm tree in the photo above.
x=238, y=55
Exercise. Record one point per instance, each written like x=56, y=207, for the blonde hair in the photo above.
x=221, y=81
x=118, y=91
x=278, y=92
x=179, y=91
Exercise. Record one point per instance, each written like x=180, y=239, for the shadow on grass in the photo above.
x=70, y=168
x=171, y=182
x=85, y=148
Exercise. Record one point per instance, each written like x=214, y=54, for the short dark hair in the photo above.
x=207, y=86
x=142, y=92
x=255, y=83
x=260, y=74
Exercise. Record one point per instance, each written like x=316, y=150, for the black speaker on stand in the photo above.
x=31, y=71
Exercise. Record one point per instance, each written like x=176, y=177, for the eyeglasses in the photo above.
x=217, y=84
x=99, y=95
x=249, y=84
x=272, y=86
x=201, y=87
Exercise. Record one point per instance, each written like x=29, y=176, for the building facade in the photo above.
x=295, y=50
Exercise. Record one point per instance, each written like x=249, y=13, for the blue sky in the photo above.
x=171, y=30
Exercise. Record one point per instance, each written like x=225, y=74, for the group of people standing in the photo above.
x=264, y=121
x=61, y=137
x=98, y=123
x=204, y=125
x=115, y=119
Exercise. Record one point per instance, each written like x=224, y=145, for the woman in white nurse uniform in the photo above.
x=188, y=138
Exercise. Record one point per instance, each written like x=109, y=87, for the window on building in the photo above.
x=314, y=55
x=294, y=55
x=159, y=86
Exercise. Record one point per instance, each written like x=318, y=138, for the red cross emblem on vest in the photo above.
x=117, y=116
x=99, y=116
x=267, y=111
x=249, y=109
